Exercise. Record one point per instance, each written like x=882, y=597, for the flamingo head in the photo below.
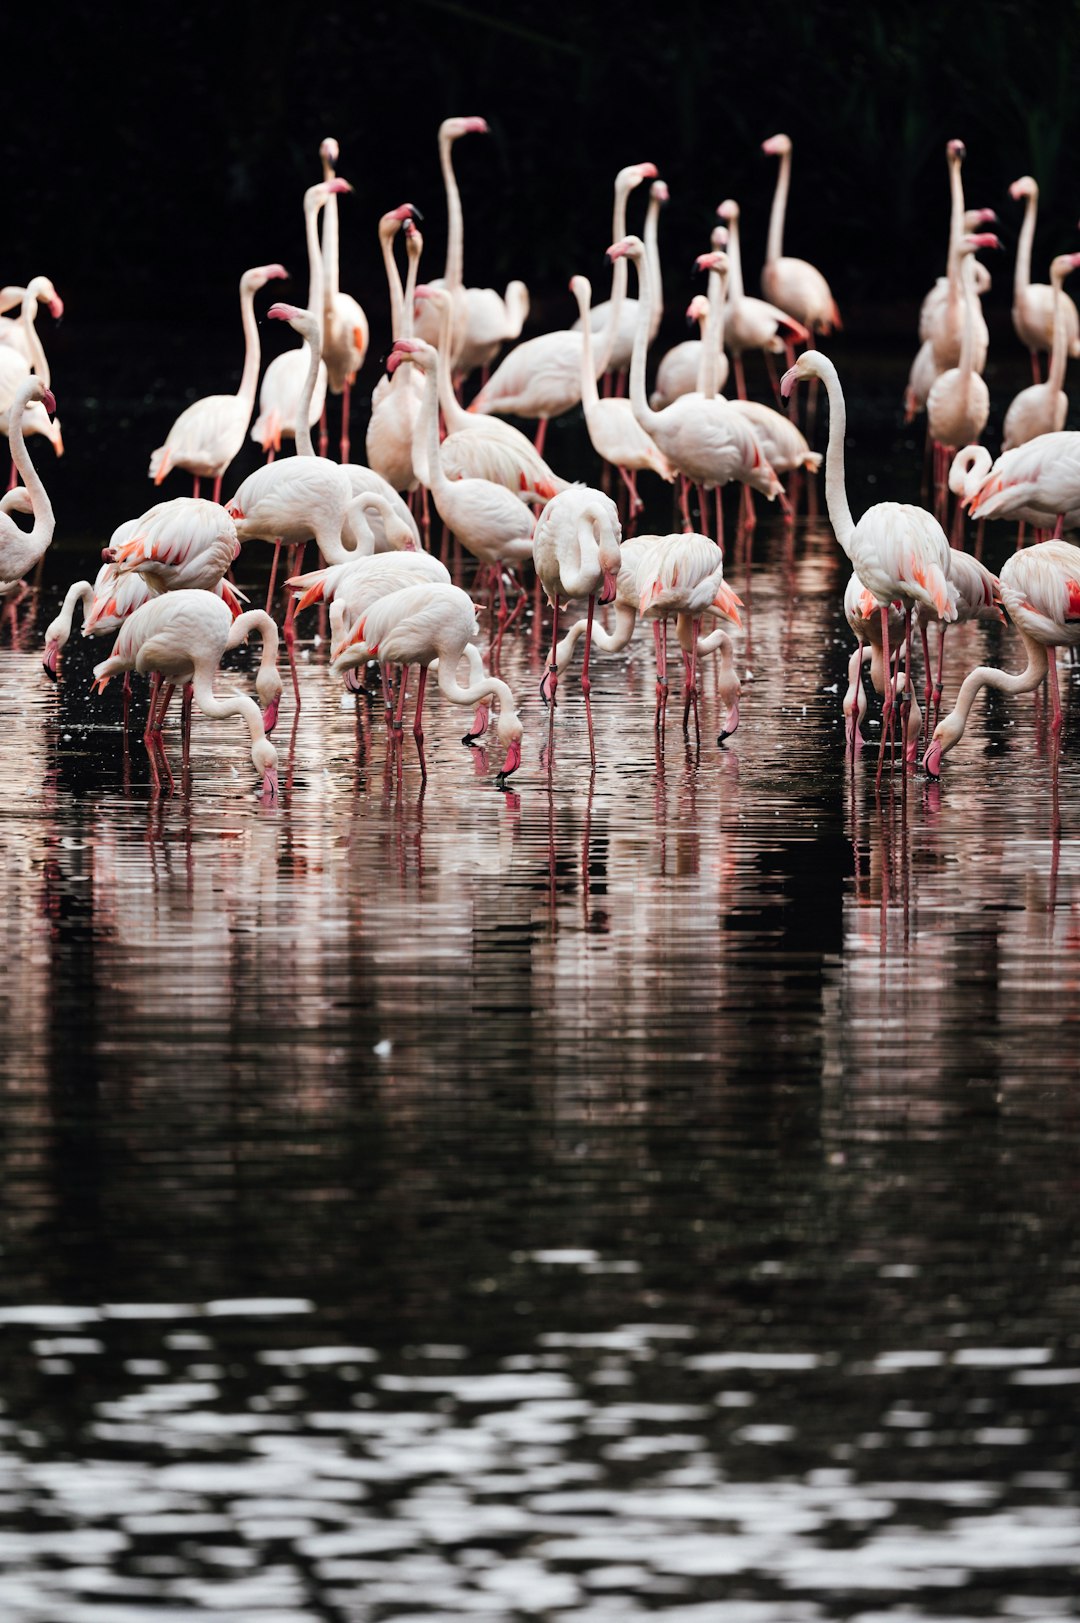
x=659, y=191
x=439, y=296
x=697, y=309
x=627, y=248
x=956, y=151
x=509, y=730
x=777, y=145
x=731, y=722
x=259, y=275
x=716, y=261
x=634, y=174
x=453, y=128
x=968, y=470
x=719, y=236
x=1063, y=266
x=34, y=389
x=264, y=758
x=581, y=288
x=728, y=211
x=974, y=218
x=404, y=212
x=329, y=152
x=300, y=320
x=805, y=367
x=946, y=734
x=977, y=240
x=51, y=657
x=411, y=349
x=1026, y=186
x=316, y=196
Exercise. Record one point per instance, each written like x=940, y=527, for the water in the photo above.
x=647, y=1193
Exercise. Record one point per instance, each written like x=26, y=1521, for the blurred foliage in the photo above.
x=166, y=152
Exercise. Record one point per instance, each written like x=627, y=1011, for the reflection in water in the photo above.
x=648, y=1192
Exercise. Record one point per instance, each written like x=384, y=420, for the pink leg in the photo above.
x=155, y=684
x=740, y=378
x=718, y=493
x=288, y=631
x=185, y=720
x=324, y=437
x=418, y=724
x=273, y=574
x=217, y=489
x=1059, y=528
x=541, y=436
x=886, y=715
x=399, y=713
x=906, y=705
x=1059, y=720
x=550, y=679
x=195, y=487
x=659, y=628
x=1036, y=375
x=929, y=685
x=684, y=503
x=345, y=443
x=586, y=684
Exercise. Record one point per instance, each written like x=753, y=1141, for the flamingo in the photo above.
x=861, y=611
x=576, y=554
x=1033, y=302
x=451, y=130
x=1040, y=587
x=752, y=323
x=958, y=403
x=210, y=432
x=682, y=578
x=283, y=380
x=932, y=309
x=395, y=402
x=793, y=284
x=615, y=433
x=18, y=361
x=417, y=627
x=1036, y=482
x=623, y=347
x=977, y=593
x=181, y=637
x=942, y=319
x=479, y=447
x=187, y=542
x=20, y=333
x=677, y=373
x=488, y=520
x=106, y=603
x=1042, y=408
x=542, y=377
x=897, y=551
x=703, y=439
x=345, y=325
x=322, y=585
x=21, y=550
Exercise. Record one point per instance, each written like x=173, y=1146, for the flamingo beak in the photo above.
x=731, y=723
x=607, y=591
x=51, y=658
x=932, y=758
x=511, y=764
x=270, y=786
x=788, y=382
x=56, y=308
x=270, y=715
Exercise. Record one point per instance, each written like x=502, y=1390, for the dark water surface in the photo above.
x=648, y=1193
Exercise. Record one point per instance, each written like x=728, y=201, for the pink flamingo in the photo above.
x=794, y=284
x=1042, y=408
x=345, y=325
x=1033, y=302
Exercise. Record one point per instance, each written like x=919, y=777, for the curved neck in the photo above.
x=249, y=378
x=590, y=395
x=481, y=687
x=643, y=412
x=1055, y=376
x=260, y=622
x=734, y=259
x=455, y=221
x=315, y=270
x=358, y=511
x=988, y=676
x=1022, y=272
x=393, y=281
x=652, y=255
x=236, y=704
x=80, y=591
x=774, y=246
x=44, y=522
x=835, y=487
x=38, y=363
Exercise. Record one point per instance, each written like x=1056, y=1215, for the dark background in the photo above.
x=152, y=158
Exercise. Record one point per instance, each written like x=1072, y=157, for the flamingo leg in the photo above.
x=938, y=685
x=929, y=685
x=196, y=482
x=155, y=684
x=185, y=720
x=1058, y=720
x=541, y=436
x=635, y=503
x=345, y=442
x=550, y=679
x=217, y=489
x=273, y=574
x=324, y=437
x=398, y=723
x=886, y=715
x=418, y=723
x=906, y=703
x=740, y=378
x=717, y=492
x=1036, y=373
x=684, y=504
x=661, y=668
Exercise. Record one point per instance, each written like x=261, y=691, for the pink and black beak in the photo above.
x=607, y=590
x=48, y=400
x=511, y=764
x=481, y=722
x=56, y=307
x=270, y=715
x=932, y=758
x=51, y=659
x=731, y=724
x=270, y=786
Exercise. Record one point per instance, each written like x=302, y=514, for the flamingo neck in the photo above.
x=265, y=627
x=235, y=704
x=590, y=395
x=38, y=363
x=330, y=255
x=956, y=218
x=304, y=446
x=80, y=591
x=967, y=336
x=1024, y=243
x=453, y=411
x=774, y=246
x=358, y=511
x=481, y=687
x=393, y=282
x=437, y=481
x=315, y=266
x=835, y=483
x=249, y=377
x=644, y=413
x=651, y=238
x=455, y=220
x=734, y=256
x=1004, y=681
x=38, y=539
x=1055, y=376
x=407, y=310
x=712, y=338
